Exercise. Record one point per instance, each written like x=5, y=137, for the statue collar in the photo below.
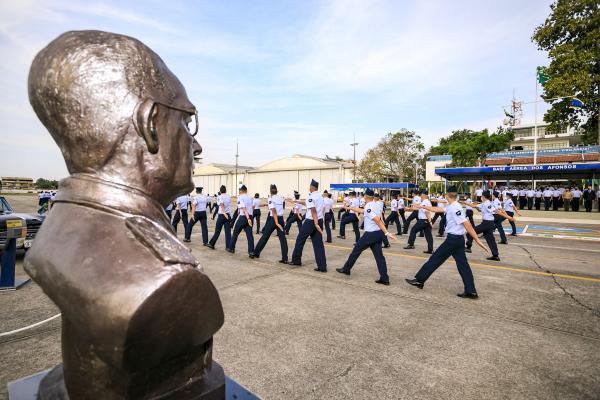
x=91, y=191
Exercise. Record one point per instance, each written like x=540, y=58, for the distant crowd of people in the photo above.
x=567, y=198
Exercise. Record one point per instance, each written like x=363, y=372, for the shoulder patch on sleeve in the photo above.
x=458, y=212
x=310, y=200
x=164, y=244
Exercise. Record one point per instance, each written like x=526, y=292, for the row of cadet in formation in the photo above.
x=424, y=210
x=567, y=198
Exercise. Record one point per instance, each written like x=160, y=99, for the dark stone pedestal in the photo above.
x=27, y=389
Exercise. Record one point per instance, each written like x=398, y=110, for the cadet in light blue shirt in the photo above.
x=181, y=213
x=454, y=245
x=276, y=205
x=313, y=228
x=199, y=204
x=223, y=219
x=243, y=222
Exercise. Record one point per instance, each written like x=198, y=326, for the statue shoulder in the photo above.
x=162, y=242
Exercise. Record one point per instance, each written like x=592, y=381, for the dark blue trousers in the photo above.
x=222, y=223
x=470, y=217
x=547, y=201
x=328, y=219
x=413, y=215
x=498, y=220
x=242, y=224
x=198, y=216
x=183, y=218
x=442, y=225
x=266, y=234
x=256, y=219
x=291, y=219
x=371, y=240
x=308, y=230
x=393, y=219
x=422, y=225
x=350, y=219
x=512, y=223
x=487, y=228
x=454, y=246
x=332, y=219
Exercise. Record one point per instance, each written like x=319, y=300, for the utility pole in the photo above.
x=236, y=165
x=354, y=144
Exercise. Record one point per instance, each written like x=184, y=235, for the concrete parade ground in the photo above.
x=292, y=333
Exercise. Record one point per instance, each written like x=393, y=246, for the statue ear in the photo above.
x=142, y=120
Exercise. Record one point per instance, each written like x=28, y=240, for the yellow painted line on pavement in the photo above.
x=480, y=265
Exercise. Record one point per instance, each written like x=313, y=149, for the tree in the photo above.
x=469, y=148
x=571, y=36
x=392, y=158
x=42, y=183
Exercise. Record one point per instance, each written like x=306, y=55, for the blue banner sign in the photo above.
x=544, y=152
x=549, y=168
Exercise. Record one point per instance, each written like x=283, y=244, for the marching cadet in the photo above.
x=510, y=208
x=256, y=212
x=498, y=219
x=332, y=212
x=199, y=205
x=243, y=222
x=327, y=213
x=313, y=227
x=223, y=219
x=373, y=237
x=441, y=204
x=275, y=205
x=487, y=225
x=342, y=210
x=378, y=200
x=361, y=204
x=423, y=223
x=478, y=193
x=468, y=208
x=169, y=210
x=415, y=201
x=454, y=245
x=295, y=214
x=401, y=209
x=394, y=214
x=181, y=213
x=350, y=217
x=216, y=206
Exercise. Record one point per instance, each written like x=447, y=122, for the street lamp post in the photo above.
x=354, y=144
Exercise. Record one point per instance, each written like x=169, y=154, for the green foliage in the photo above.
x=42, y=183
x=393, y=158
x=571, y=36
x=469, y=147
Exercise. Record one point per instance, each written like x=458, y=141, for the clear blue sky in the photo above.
x=289, y=77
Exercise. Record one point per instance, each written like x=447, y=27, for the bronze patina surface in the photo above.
x=138, y=314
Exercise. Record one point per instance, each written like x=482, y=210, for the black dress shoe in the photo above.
x=386, y=283
x=387, y=246
x=408, y=247
x=415, y=282
x=439, y=235
x=252, y=255
x=204, y=244
x=468, y=295
x=321, y=270
x=493, y=258
x=513, y=234
x=230, y=250
x=283, y=261
x=503, y=242
x=468, y=250
x=398, y=234
x=329, y=241
x=210, y=246
x=293, y=264
x=341, y=237
x=342, y=271
x=186, y=240
x=428, y=252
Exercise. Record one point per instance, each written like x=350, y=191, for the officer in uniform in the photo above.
x=487, y=225
x=216, y=206
x=441, y=204
x=510, y=208
x=275, y=204
x=223, y=219
x=169, y=210
x=469, y=208
x=547, y=193
x=295, y=214
x=415, y=201
x=401, y=208
x=350, y=217
x=556, y=196
x=199, y=204
x=498, y=219
x=327, y=212
x=454, y=245
x=576, y=199
x=243, y=222
x=181, y=213
x=313, y=228
x=256, y=212
x=342, y=211
x=375, y=232
x=530, y=198
x=478, y=193
x=393, y=218
x=423, y=223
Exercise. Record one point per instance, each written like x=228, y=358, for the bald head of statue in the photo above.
x=116, y=111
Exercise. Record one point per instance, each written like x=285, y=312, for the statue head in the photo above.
x=116, y=111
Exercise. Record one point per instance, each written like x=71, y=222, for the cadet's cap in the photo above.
x=314, y=184
x=369, y=192
x=243, y=188
x=451, y=189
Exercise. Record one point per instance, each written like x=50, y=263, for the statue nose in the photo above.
x=196, y=148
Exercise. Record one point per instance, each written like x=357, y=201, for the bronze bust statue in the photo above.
x=138, y=314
